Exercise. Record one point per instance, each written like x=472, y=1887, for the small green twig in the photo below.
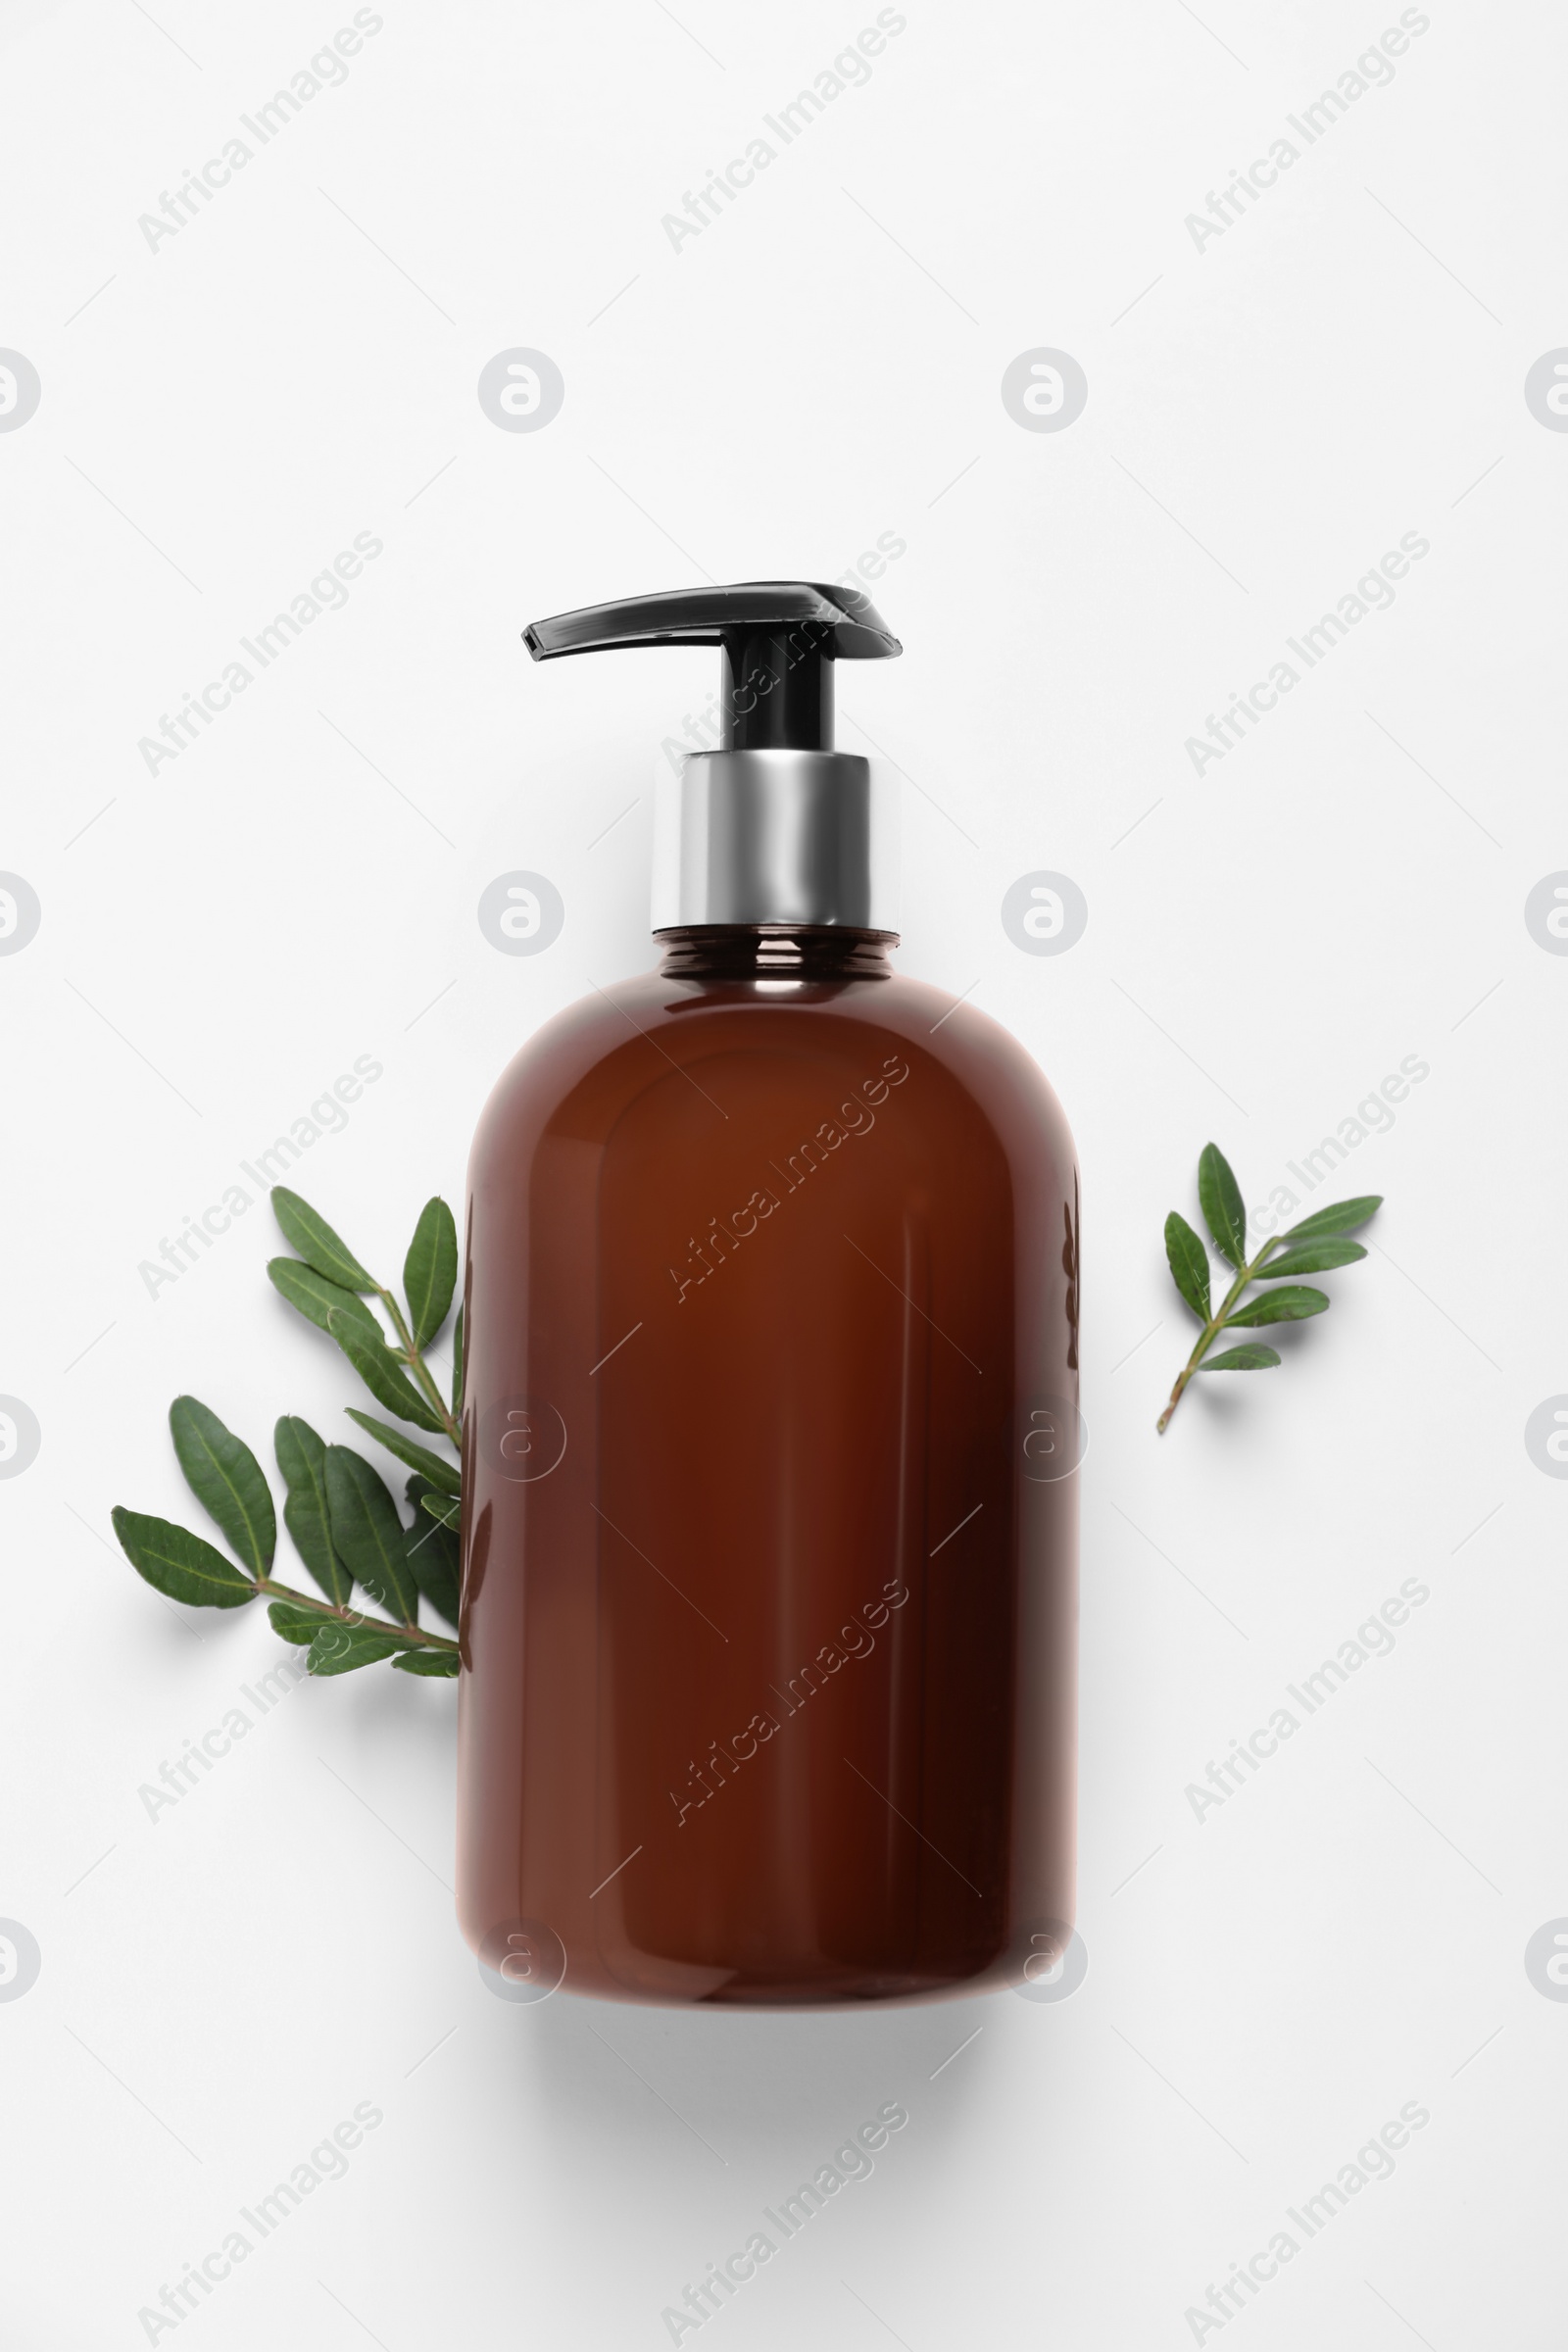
x=330, y=1611
x=345, y=1521
x=414, y=1358
x=1215, y=1325
x=1311, y=1246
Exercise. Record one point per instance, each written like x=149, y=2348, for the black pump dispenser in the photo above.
x=779, y=640
x=775, y=826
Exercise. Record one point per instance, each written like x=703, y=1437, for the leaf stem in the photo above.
x=1214, y=1326
x=414, y=1635
x=418, y=1367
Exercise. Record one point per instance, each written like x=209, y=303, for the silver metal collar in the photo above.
x=770, y=837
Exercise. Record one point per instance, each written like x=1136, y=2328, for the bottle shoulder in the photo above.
x=590, y=1062
x=981, y=1058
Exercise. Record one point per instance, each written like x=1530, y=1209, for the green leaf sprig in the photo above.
x=344, y=1521
x=327, y=1283
x=1310, y=1248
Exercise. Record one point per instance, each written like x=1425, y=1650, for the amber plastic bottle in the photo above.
x=769, y=1464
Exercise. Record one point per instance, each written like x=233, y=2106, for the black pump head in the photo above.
x=779, y=639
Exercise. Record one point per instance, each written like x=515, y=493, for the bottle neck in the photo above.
x=775, y=952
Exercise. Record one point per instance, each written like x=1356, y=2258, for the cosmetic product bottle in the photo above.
x=770, y=1430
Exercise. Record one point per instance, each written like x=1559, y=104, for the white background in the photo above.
x=822, y=366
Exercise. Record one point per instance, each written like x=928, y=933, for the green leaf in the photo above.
x=1220, y=1197
x=435, y=1575
x=226, y=1480
x=431, y=1271
x=1291, y=1303
x=457, y=1367
x=1189, y=1265
x=427, y=1661
x=382, y=1374
x=1251, y=1358
x=316, y=1298
x=1343, y=1217
x=294, y=1622
x=433, y=1556
x=302, y=1459
x=368, y=1533
x=417, y=1458
x=1311, y=1257
x=445, y=1507
x=340, y=1648
x=178, y=1563
x=320, y=1246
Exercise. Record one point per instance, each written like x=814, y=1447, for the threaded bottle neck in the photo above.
x=775, y=952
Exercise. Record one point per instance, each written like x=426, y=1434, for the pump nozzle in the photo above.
x=778, y=637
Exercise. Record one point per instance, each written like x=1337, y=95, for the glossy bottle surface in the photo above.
x=770, y=1595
